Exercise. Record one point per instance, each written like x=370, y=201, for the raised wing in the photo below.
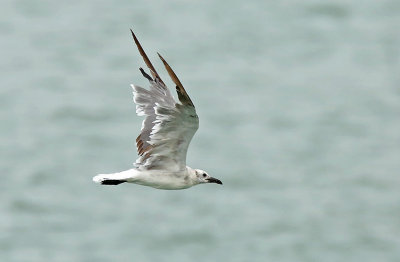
x=168, y=126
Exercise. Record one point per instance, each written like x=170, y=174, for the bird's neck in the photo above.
x=192, y=175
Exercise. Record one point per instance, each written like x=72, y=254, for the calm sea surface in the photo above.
x=299, y=106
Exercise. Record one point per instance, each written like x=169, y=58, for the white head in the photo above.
x=203, y=177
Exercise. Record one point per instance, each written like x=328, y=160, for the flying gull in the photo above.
x=167, y=129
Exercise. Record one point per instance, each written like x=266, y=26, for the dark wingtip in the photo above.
x=153, y=71
x=133, y=35
x=145, y=74
x=183, y=96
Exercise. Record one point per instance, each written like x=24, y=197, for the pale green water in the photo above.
x=299, y=106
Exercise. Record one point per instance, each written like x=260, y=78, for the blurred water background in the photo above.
x=299, y=105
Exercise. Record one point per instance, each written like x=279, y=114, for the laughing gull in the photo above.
x=167, y=129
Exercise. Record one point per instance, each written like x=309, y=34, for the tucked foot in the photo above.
x=112, y=182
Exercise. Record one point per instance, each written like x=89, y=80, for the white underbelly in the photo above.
x=162, y=180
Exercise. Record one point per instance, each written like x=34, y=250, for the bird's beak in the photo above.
x=214, y=180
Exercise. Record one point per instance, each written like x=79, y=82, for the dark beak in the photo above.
x=214, y=180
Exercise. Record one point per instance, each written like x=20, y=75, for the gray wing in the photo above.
x=168, y=126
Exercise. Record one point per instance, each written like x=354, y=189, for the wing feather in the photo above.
x=168, y=126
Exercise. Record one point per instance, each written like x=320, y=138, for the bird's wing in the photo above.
x=168, y=126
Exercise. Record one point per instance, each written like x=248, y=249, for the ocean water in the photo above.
x=299, y=106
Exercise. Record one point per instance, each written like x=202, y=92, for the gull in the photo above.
x=167, y=129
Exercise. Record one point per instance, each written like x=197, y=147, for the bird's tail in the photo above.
x=113, y=179
x=105, y=180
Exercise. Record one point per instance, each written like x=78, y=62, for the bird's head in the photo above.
x=203, y=177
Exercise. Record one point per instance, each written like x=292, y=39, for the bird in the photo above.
x=167, y=129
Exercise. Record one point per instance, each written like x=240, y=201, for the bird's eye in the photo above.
x=204, y=175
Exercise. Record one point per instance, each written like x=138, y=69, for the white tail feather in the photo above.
x=99, y=178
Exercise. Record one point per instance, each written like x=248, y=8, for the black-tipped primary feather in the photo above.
x=145, y=74
x=183, y=96
x=145, y=58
